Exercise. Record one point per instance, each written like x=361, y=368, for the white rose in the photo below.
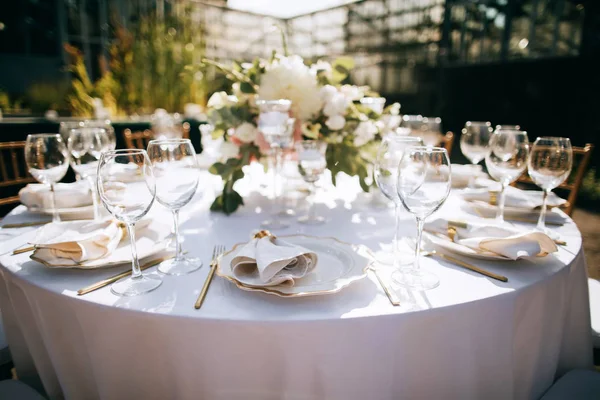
x=219, y=100
x=327, y=92
x=228, y=150
x=336, y=105
x=321, y=66
x=364, y=133
x=351, y=92
x=388, y=123
x=246, y=132
x=335, y=122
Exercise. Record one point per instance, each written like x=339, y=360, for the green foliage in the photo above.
x=345, y=157
x=43, y=96
x=231, y=171
x=80, y=98
x=4, y=100
x=590, y=189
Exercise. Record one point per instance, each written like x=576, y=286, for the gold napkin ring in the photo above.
x=264, y=233
x=494, y=198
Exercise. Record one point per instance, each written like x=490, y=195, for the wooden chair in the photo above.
x=447, y=141
x=13, y=170
x=140, y=139
x=573, y=184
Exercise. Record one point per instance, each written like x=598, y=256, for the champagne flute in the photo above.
x=311, y=165
x=388, y=157
x=474, y=143
x=176, y=173
x=277, y=128
x=47, y=160
x=85, y=146
x=424, y=182
x=549, y=165
x=506, y=161
x=128, y=201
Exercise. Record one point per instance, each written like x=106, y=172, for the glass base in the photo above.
x=316, y=220
x=285, y=213
x=415, y=279
x=135, y=286
x=179, y=267
x=274, y=224
x=405, y=256
x=171, y=242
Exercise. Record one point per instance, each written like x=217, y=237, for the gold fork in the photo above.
x=217, y=251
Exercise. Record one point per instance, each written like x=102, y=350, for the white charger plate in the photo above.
x=83, y=212
x=486, y=210
x=339, y=264
x=149, y=241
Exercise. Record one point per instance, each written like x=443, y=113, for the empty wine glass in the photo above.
x=311, y=165
x=507, y=128
x=128, y=201
x=423, y=185
x=85, y=146
x=474, y=143
x=277, y=128
x=47, y=160
x=176, y=173
x=387, y=160
x=506, y=161
x=549, y=166
x=109, y=141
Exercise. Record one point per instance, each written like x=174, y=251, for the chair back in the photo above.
x=140, y=139
x=581, y=160
x=13, y=170
x=447, y=141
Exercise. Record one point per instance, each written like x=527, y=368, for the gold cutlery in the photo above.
x=465, y=265
x=23, y=250
x=452, y=225
x=24, y=224
x=112, y=279
x=217, y=251
x=389, y=293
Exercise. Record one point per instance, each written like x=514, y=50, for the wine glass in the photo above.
x=277, y=128
x=176, y=173
x=387, y=160
x=474, y=143
x=47, y=160
x=128, y=201
x=423, y=185
x=549, y=165
x=109, y=141
x=506, y=161
x=311, y=165
x=85, y=146
x=507, y=128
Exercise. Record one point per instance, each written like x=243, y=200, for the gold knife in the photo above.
x=23, y=250
x=24, y=224
x=108, y=281
x=390, y=295
x=466, y=265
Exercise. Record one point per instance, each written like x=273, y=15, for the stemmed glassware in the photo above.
x=85, y=146
x=311, y=165
x=474, y=143
x=506, y=161
x=128, y=201
x=176, y=172
x=47, y=160
x=387, y=160
x=278, y=129
x=424, y=182
x=109, y=141
x=549, y=165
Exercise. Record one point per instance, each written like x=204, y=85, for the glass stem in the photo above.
x=276, y=175
x=94, y=198
x=501, y=199
x=178, y=250
x=541, y=225
x=471, y=184
x=312, y=208
x=55, y=216
x=420, y=224
x=136, y=273
x=396, y=244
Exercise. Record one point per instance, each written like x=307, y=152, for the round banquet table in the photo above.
x=470, y=338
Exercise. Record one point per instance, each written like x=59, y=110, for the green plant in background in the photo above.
x=4, y=100
x=43, y=96
x=146, y=69
x=589, y=196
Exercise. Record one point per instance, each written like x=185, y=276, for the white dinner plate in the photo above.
x=149, y=241
x=453, y=247
x=486, y=210
x=84, y=212
x=339, y=264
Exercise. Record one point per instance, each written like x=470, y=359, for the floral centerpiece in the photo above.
x=323, y=107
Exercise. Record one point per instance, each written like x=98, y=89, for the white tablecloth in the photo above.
x=470, y=338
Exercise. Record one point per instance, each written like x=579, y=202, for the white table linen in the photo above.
x=470, y=338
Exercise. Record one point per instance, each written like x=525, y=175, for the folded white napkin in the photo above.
x=502, y=240
x=515, y=197
x=68, y=195
x=270, y=261
x=461, y=174
x=74, y=242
